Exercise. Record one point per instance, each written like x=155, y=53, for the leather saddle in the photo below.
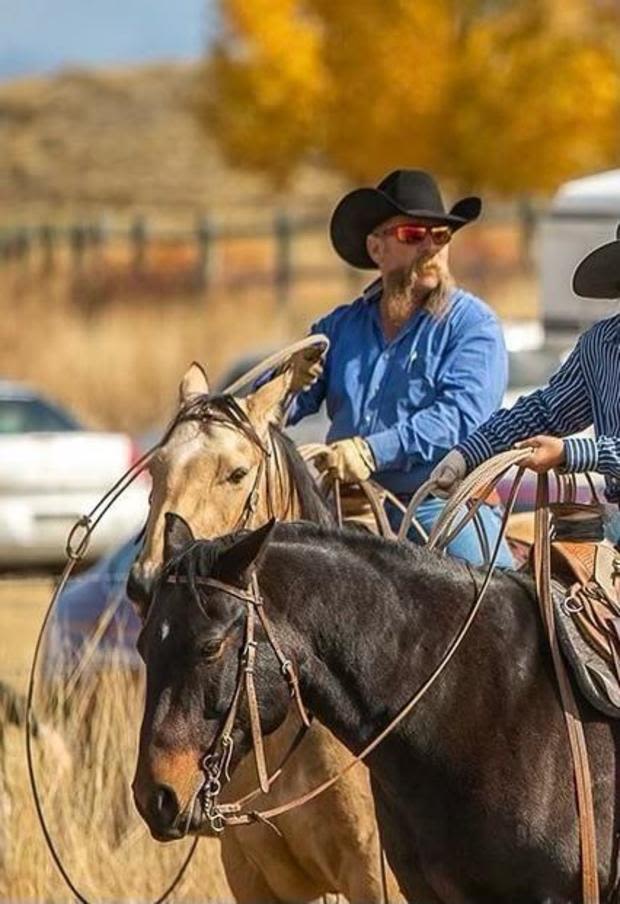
x=585, y=571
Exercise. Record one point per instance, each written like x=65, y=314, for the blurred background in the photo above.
x=167, y=174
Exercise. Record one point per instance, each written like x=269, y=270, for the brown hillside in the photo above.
x=82, y=141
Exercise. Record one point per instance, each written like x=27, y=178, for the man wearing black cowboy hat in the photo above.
x=415, y=364
x=585, y=391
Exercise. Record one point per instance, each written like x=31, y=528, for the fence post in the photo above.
x=283, y=229
x=47, y=239
x=352, y=277
x=22, y=245
x=205, y=234
x=77, y=239
x=527, y=222
x=138, y=235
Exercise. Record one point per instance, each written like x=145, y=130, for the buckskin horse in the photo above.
x=225, y=464
x=474, y=790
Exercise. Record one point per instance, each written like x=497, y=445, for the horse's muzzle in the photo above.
x=164, y=818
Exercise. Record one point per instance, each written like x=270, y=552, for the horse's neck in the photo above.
x=372, y=627
x=282, y=498
x=369, y=632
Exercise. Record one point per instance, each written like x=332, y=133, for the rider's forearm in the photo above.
x=589, y=454
x=559, y=409
x=307, y=402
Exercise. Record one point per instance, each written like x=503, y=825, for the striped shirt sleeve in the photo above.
x=589, y=454
x=559, y=409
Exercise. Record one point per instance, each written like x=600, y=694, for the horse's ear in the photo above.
x=238, y=561
x=177, y=535
x=266, y=405
x=194, y=382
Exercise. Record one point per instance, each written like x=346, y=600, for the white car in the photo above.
x=52, y=471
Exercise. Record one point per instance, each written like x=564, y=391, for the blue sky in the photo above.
x=40, y=36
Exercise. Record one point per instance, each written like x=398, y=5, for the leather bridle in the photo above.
x=192, y=413
x=216, y=761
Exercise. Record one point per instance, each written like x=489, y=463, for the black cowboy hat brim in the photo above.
x=364, y=209
x=598, y=274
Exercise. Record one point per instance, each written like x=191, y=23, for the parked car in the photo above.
x=52, y=471
x=93, y=622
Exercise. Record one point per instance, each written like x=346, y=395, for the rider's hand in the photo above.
x=350, y=460
x=548, y=452
x=307, y=367
x=449, y=473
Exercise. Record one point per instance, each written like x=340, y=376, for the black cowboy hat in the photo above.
x=598, y=274
x=413, y=193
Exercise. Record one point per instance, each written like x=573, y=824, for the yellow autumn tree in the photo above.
x=508, y=95
x=263, y=86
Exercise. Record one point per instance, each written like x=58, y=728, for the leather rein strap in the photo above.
x=212, y=765
x=229, y=814
x=576, y=736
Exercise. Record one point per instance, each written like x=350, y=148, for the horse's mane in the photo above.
x=198, y=560
x=206, y=407
x=314, y=506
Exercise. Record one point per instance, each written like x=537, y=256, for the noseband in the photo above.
x=216, y=761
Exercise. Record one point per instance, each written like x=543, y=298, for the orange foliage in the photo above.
x=508, y=95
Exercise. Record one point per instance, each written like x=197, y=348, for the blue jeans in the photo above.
x=612, y=524
x=466, y=544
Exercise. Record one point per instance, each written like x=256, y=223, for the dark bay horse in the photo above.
x=474, y=789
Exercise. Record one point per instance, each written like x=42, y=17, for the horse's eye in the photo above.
x=210, y=649
x=237, y=475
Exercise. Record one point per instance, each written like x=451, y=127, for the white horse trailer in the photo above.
x=583, y=214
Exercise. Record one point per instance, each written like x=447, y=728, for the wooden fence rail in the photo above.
x=286, y=256
x=49, y=244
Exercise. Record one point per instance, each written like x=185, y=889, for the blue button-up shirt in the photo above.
x=584, y=391
x=414, y=397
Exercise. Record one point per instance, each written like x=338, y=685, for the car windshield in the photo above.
x=33, y=416
x=532, y=367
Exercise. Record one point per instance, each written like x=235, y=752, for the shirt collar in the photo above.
x=373, y=290
x=612, y=334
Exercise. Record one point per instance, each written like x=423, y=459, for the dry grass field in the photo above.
x=102, y=841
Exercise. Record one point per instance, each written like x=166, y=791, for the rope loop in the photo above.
x=77, y=550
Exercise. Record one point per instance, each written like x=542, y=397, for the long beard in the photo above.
x=399, y=286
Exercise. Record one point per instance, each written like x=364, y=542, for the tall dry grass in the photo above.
x=106, y=848
x=117, y=362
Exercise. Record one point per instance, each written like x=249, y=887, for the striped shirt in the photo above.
x=585, y=391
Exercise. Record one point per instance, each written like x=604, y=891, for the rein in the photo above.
x=76, y=548
x=230, y=814
x=444, y=530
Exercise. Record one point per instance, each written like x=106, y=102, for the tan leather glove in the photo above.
x=307, y=367
x=449, y=473
x=350, y=460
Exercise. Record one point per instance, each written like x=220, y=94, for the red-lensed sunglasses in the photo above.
x=414, y=234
